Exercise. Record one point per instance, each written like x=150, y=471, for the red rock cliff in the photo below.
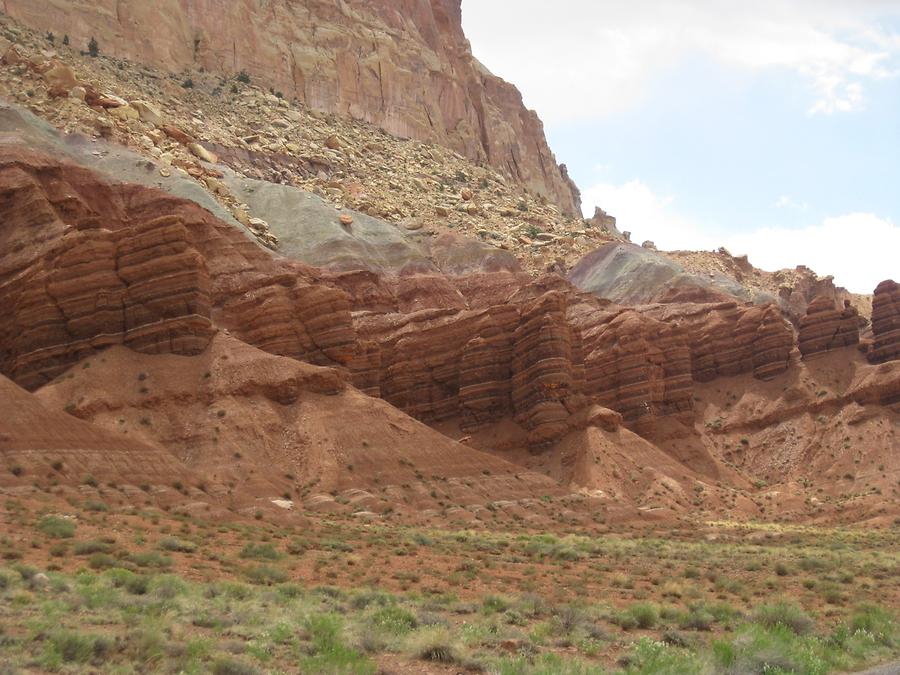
x=404, y=65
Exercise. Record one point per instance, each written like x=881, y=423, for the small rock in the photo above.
x=202, y=153
x=242, y=216
x=413, y=224
x=104, y=126
x=13, y=57
x=333, y=142
x=124, y=112
x=147, y=112
x=178, y=135
x=258, y=225
x=466, y=194
x=216, y=186
x=60, y=80
x=111, y=101
x=346, y=219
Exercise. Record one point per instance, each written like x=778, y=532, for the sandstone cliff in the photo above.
x=404, y=66
x=886, y=322
x=825, y=327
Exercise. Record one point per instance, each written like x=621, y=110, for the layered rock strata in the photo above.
x=520, y=360
x=825, y=327
x=636, y=365
x=727, y=339
x=71, y=284
x=886, y=322
x=88, y=264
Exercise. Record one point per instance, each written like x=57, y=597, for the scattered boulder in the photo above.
x=202, y=153
x=147, y=112
x=13, y=57
x=109, y=101
x=177, y=134
x=60, y=80
x=125, y=112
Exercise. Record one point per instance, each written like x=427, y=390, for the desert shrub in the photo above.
x=877, y=622
x=650, y=656
x=643, y=615
x=176, y=545
x=56, y=527
x=771, y=649
x=102, y=561
x=94, y=48
x=59, y=550
x=329, y=653
x=784, y=614
x=90, y=547
x=150, y=559
x=394, y=620
x=137, y=584
x=167, y=586
x=696, y=618
x=225, y=665
x=260, y=552
x=435, y=645
x=493, y=604
x=65, y=646
x=264, y=575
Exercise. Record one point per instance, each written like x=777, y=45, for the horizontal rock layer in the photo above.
x=405, y=66
x=88, y=264
x=825, y=327
x=72, y=284
x=886, y=322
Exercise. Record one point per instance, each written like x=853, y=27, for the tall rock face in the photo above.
x=85, y=265
x=404, y=65
x=70, y=283
x=825, y=327
x=886, y=322
x=727, y=339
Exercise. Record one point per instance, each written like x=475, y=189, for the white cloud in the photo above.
x=858, y=249
x=594, y=58
x=788, y=202
x=647, y=215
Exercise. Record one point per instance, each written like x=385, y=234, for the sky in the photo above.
x=769, y=127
